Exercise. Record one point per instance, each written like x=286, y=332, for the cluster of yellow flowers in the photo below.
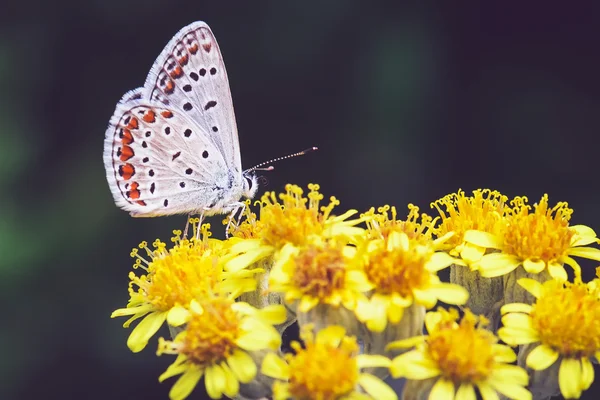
x=360, y=287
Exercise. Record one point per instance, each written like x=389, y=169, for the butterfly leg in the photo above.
x=234, y=209
x=187, y=225
x=200, y=219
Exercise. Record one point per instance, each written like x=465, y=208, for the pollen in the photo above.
x=210, y=336
x=323, y=371
x=567, y=318
x=386, y=221
x=543, y=234
x=319, y=270
x=483, y=212
x=398, y=270
x=296, y=217
x=463, y=352
x=178, y=275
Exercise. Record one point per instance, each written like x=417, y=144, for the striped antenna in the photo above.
x=270, y=167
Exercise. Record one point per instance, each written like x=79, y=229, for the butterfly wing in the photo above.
x=189, y=76
x=159, y=162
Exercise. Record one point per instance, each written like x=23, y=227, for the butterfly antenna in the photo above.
x=270, y=167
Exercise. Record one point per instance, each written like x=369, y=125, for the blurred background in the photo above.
x=406, y=103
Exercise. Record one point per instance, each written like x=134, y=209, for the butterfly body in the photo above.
x=172, y=146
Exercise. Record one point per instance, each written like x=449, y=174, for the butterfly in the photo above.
x=171, y=146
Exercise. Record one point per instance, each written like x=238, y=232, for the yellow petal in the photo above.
x=587, y=374
x=257, y=336
x=245, y=245
x=332, y=335
x=439, y=261
x=573, y=264
x=413, y=365
x=569, y=378
x=377, y=321
x=243, y=260
x=557, y=271
x=472, y=253
x=141, y=309
x=532, y=286
x=510, y=390
x=534, y=266
x=376, y=387
x=275, y=367
x=242, y=366
x=273, y=314
x=504, y=373
x=138, y=339
x=541, y=357
x=466, y=392
x=442, y=390
x=178, y=316
x=406, y=343
x=214, y=380
x=395, y=313
x=482, y=239
x=497, y=264
x=583, y=235
x=516, y=307
x=307, y=303
x=426, y=297
x=372, y=360
x=503, y=354
x=175, y=369
x=487, y=392
x=232, y=386
x=185, y=384
x=451, y=293
x=432, y=319
x=357, y=280
x=591, y=253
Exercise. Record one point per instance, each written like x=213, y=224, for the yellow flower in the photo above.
x=174, y=277
x=564, y=322
x=461, y=356
x=218, y=343
x=484, y=211
x=326, y=368
x=403, y=272
x=293, y=220
x=539, y=240
x=319, y=273
x=381, y=223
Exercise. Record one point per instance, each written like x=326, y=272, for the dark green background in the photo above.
x=406, y=102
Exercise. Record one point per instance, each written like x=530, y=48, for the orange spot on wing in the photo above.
x=184, y=60
x=127, y=137
x=126, y=153
x=169, y=87
x=193, y=49
x=150, y=116
x=133, y=193
x=126, y=171
x=167, y=114
x=141, y=202
x=177, y=72
x=207, y=47
x=133, y=124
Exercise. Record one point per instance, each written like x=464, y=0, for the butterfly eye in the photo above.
x=248, y=184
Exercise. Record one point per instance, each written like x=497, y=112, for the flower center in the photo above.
x=566, y=318
x=463, y=352
x=321, y=371
x=398, y=270
x=483, y=212
x=295, y=218
x=319, y=270
x=542, y=235
x=210, y=336
x=178, y=275
x=385, y=221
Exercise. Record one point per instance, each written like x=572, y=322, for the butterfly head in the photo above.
x=250, y=184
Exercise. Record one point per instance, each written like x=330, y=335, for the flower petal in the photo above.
x=178, y=316
x=487, y=392
x=376, y=387
x=516, y=307
x=414, y=365
x=185, y=384
x=497, y=264
x=557, y=271
x=466, y=391
x=248, y=258
x=569, y=378
x=406, y=343
x=541, y=357
x=372, y=360
x=331, y=336
x=503, y=354
x=587, y=374
x=138, y=339
x=443, y=389
x=273, y=314
x=232, y=386
x=534, y=266
x=591, y=253
x=532, y=286
x=242, y=366
x=482, y=239
x=583, y=235
x=275, y=367
x=439, y=261
x=451, y=293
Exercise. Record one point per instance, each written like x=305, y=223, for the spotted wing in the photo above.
x=158, y=161
x=189, y=76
